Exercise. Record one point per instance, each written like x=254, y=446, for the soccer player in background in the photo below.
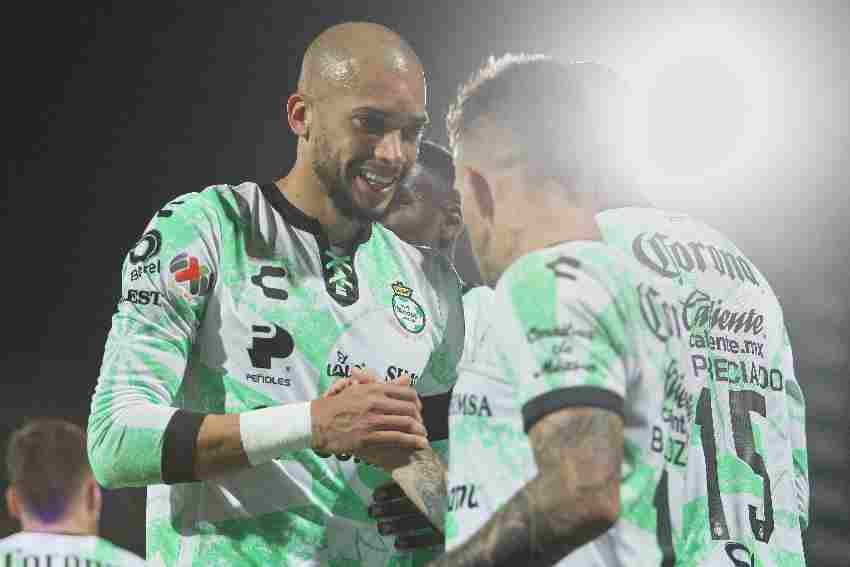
x=426, y=211
x=242, y=304
x=714, y=451
x=54, y=495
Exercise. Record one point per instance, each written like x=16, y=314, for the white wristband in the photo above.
x=269, y=432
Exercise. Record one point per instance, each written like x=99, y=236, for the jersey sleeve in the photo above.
x=797, y=423
x=563, y=336
x=134, y=426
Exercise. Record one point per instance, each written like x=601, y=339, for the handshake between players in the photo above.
x=377, y=420
x=395, y=513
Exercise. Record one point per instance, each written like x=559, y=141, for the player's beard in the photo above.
x=338, y=179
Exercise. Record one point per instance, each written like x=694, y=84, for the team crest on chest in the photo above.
x=407, y=310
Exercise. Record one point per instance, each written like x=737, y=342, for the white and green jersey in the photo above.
x=564, y=330
x=41, y=549
x=477, y=302
x=700, y=290
x=738, y=484
x=234, y=300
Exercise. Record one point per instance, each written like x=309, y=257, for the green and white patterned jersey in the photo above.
x=700, y=288
x=738, y=476
x=28, y=549
x=233, y=300
x=564, y=330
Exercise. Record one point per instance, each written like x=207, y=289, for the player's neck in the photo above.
x=78, y=524
x=626, y=195
x=307, y=193
x=551, y=220
x=570, y=224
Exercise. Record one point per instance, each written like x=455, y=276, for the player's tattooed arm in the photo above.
x=423, y=479
x=574, y=498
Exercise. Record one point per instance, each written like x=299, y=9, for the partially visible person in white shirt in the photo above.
x=54, y=495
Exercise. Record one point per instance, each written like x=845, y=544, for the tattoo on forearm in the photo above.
x=424, y=481
x=570, y=501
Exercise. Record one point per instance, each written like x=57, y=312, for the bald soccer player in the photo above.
x=242, y=304
x=54, y=495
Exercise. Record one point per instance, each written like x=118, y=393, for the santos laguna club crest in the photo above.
x=407, y=311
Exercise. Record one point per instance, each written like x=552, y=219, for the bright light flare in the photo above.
x=699, y=107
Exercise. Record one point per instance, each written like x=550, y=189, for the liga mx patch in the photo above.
x=188, y=271
x=407, y=310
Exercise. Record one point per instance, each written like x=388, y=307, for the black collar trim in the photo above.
x=297, y=218
x=290, y=213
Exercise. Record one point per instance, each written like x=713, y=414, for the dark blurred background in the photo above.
x=111, y=112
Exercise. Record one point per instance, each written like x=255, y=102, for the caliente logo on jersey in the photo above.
x=407, y=310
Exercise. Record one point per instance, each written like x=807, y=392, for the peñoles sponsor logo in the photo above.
x=698, y=312
x=258, y=378
x=670, y=259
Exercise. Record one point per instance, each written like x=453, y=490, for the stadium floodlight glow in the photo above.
x=699, y=106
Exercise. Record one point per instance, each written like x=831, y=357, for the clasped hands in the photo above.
x=379, y=422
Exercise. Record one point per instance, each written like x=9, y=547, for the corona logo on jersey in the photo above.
x=191, y=274
x=407, y=310
x=673, y=258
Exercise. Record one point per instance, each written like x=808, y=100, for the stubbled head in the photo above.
x=359, y=113
x=522, y=127
x=426, y=207
x=49, y=474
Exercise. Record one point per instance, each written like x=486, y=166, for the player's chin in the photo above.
x=373, y=204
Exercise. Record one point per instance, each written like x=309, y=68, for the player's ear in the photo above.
x=297, y=114
x=93, y=496
x=481, y=193
x=12, y=503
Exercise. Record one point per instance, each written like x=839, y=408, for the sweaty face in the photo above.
x=366, y=138
x=415, y=215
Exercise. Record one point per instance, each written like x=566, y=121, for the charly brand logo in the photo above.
x=147, y=247
x=189, y=270
x=407, y=310
x=564, y=267
x=671, y=258
x=270, y=275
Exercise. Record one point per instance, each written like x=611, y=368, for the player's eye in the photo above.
x=371, y=124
